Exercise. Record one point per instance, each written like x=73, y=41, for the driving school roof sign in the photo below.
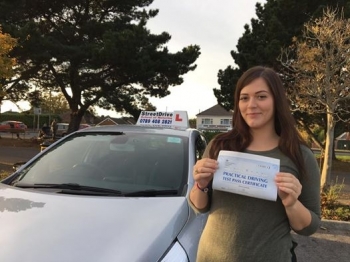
x=176, y=119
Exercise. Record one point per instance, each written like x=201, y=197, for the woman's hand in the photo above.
x=203, y=171
x=289, y=188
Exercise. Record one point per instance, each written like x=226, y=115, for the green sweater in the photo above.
x=244, y=229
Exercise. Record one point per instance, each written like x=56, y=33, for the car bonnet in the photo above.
x=43, y=227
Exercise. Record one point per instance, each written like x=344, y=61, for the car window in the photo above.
x=125, y=162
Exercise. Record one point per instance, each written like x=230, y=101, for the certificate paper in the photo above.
x=247, y=174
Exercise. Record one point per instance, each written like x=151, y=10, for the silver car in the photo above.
x=112, y=193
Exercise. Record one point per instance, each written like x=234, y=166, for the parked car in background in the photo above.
x=12, y=126
x=107, y=193
x=62, y=129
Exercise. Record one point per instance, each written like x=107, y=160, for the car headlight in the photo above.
x=175, y=254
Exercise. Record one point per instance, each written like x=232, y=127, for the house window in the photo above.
x=225, y=121
x=207, y=121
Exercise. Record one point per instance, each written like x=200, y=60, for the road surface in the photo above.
x=11, y=155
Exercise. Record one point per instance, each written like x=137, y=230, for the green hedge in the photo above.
x=210, y=135
x=30, y=120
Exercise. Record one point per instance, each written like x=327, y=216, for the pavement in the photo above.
x=330, y=243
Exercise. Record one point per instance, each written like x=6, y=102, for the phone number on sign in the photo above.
x=156, y=121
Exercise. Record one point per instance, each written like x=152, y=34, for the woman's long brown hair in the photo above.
x=239, y=138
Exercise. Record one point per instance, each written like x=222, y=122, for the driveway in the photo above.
x=331, y=242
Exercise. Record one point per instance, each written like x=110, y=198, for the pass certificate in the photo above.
x=247, y=174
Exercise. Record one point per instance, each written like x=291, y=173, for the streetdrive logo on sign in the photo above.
x=176, y=119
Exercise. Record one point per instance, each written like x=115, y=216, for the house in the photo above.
x=90, y=119
x=117, y=121
x=214, y=119
x=107, y=122
x=343, y=141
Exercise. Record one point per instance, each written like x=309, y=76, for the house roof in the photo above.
x=125, y=121
x=107, y=121
x=90, y=119
x=216, y=110
x=343, y=136
x=117, y=121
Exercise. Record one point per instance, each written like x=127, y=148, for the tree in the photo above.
x=277, y=22
x=320, y=73
x=193, y=122
x=7, y=43
x=95, y=52
x=54, y=104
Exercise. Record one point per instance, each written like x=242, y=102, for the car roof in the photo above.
x=167, y=123
x=11, y=121
x=140, y=129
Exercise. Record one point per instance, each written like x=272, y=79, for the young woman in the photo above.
x=242, y=228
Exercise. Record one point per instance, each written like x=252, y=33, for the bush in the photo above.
x=3, y=174
x=210, y=135
x=330, y=207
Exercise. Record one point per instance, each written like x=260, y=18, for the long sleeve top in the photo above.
x=242, y=228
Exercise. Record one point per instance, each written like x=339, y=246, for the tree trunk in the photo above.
x=328, y=153
x=334, y=157
x=75, y=120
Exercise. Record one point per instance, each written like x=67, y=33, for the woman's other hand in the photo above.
x=289, y=188
x=204, y=170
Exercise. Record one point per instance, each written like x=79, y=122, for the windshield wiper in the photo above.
x=72, y=186
x=152, y=192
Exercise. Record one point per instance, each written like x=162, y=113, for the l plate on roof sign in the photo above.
x=176, y=119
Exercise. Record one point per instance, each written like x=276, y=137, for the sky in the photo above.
x=216, y=27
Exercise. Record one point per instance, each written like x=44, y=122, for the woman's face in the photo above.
x=256, y=105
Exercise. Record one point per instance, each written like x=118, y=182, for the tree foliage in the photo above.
x=7, y=43
x=54, y=104
x=95, y=52
x=319, y=68
x=277, y=22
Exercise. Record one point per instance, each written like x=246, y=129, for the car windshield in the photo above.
x=125, y=162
